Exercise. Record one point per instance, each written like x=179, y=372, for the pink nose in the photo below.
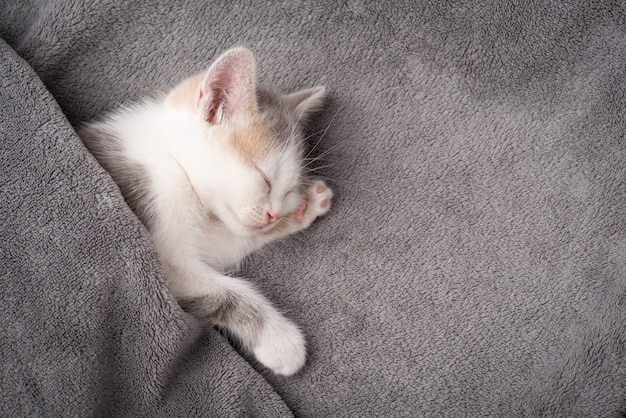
x=272, y=217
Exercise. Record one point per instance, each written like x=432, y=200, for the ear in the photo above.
x=305, y=102
x=229, y=87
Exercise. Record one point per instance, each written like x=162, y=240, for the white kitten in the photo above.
x=215, y=171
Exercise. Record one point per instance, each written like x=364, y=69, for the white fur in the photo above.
x=209, y=209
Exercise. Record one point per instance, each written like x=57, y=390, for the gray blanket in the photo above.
x=474, y=262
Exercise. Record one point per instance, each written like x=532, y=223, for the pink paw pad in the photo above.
x=319, y=200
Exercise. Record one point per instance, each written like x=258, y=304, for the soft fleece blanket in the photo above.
x=474, y=262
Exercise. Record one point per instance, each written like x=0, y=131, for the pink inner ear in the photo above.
x=228, y=88
x=210, y=106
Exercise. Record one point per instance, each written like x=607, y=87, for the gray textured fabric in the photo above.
x=88, y=326
x=473, y=262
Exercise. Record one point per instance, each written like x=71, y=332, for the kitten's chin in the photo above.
x=238, y=227
x=246, y=230
x=249, y=231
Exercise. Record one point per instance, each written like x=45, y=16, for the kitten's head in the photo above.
x=257, y=135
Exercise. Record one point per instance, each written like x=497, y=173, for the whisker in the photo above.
x=321, y=167
x=285, y=145
x=328, y=151
x=311, y=160
x=312, y=135
x=290, y=137
x=324, y=133
x=293, y=128
x=320, y=177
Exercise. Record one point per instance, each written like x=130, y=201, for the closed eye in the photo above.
x=265, y=178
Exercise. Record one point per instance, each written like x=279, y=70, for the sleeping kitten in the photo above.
x=215, y=171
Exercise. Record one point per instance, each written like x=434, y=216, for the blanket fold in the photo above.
x=88, y=326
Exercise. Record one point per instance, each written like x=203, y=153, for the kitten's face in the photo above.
x=264, y=177
x=255, y=156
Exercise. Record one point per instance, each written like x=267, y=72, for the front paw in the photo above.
x=281, y=348
x=317, y=202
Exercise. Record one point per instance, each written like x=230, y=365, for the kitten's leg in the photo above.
x=235, y=305
x=315, y=204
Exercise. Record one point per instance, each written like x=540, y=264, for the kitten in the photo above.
x=215, y=171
